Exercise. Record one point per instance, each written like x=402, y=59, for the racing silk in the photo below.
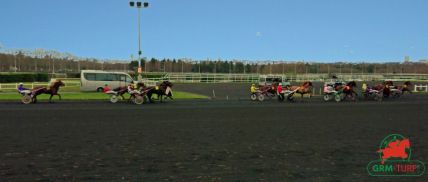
x=279, y=89
x=364, y=87
x=106, y=89
x=130, y=89
x=326, y=88
x=21, y=88
x=253, y=89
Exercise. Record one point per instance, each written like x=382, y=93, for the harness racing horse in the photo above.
x=269, y=90
x=52, y=90
x=389, y=89
x=397, y=91
x=305, y=88
x=348, y=90
x=405, y=87
x=384, y=88
x=163, y=90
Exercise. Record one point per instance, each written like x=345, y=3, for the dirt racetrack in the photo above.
x=203, y=140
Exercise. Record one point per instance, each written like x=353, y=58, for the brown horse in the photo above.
x=52, y=90
x=305, y=88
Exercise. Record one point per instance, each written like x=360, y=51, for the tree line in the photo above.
x=21, y=62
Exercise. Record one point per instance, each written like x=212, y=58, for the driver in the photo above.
x=21, y=87
x=279, y=92
x=131, y=89
x=106, y=89
x=253, y=88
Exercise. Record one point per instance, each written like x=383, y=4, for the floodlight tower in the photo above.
x=139, y=5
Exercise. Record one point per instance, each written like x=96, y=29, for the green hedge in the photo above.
x=23, y=77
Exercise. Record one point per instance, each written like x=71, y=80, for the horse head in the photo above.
x=388, y=83
x=351, y=84
x=408, y=83
x=57, y=84
x=166, y=84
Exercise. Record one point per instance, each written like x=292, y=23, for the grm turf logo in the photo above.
x=394, y=159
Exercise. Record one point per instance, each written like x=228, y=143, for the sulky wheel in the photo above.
x=338, y=97
x=378, y=97
x=26, y=99
x=253, y=97
x=326, y=97
x=396, y=95
x=261, y=97
x=113, y=98
x=138, y=100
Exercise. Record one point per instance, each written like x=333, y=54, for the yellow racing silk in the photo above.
x=253, y=89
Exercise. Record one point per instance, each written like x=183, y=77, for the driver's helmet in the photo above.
x=20, y=84
x=106, y=84
x=253, y=84
x=280, y=84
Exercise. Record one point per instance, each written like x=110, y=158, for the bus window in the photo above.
x=111, y=77
x=90, y=76
x=129, y=79
x=122, y=78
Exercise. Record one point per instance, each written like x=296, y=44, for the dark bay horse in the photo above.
x=163, y=90
x=349, y=91
x=52, y=90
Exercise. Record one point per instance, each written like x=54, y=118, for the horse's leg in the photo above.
x=50, y=98
x=149, y=96
x=290, y=97
x=59, y=95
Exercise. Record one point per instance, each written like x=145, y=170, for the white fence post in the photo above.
x=425, y=87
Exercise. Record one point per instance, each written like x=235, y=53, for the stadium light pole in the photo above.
x=139, y=5
x=16, y=55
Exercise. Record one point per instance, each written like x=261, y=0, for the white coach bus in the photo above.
x=93, y=80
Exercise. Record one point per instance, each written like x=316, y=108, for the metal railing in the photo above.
x=252, y=78
x=14, y=86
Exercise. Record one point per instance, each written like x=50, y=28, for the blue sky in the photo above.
x=310, y=30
